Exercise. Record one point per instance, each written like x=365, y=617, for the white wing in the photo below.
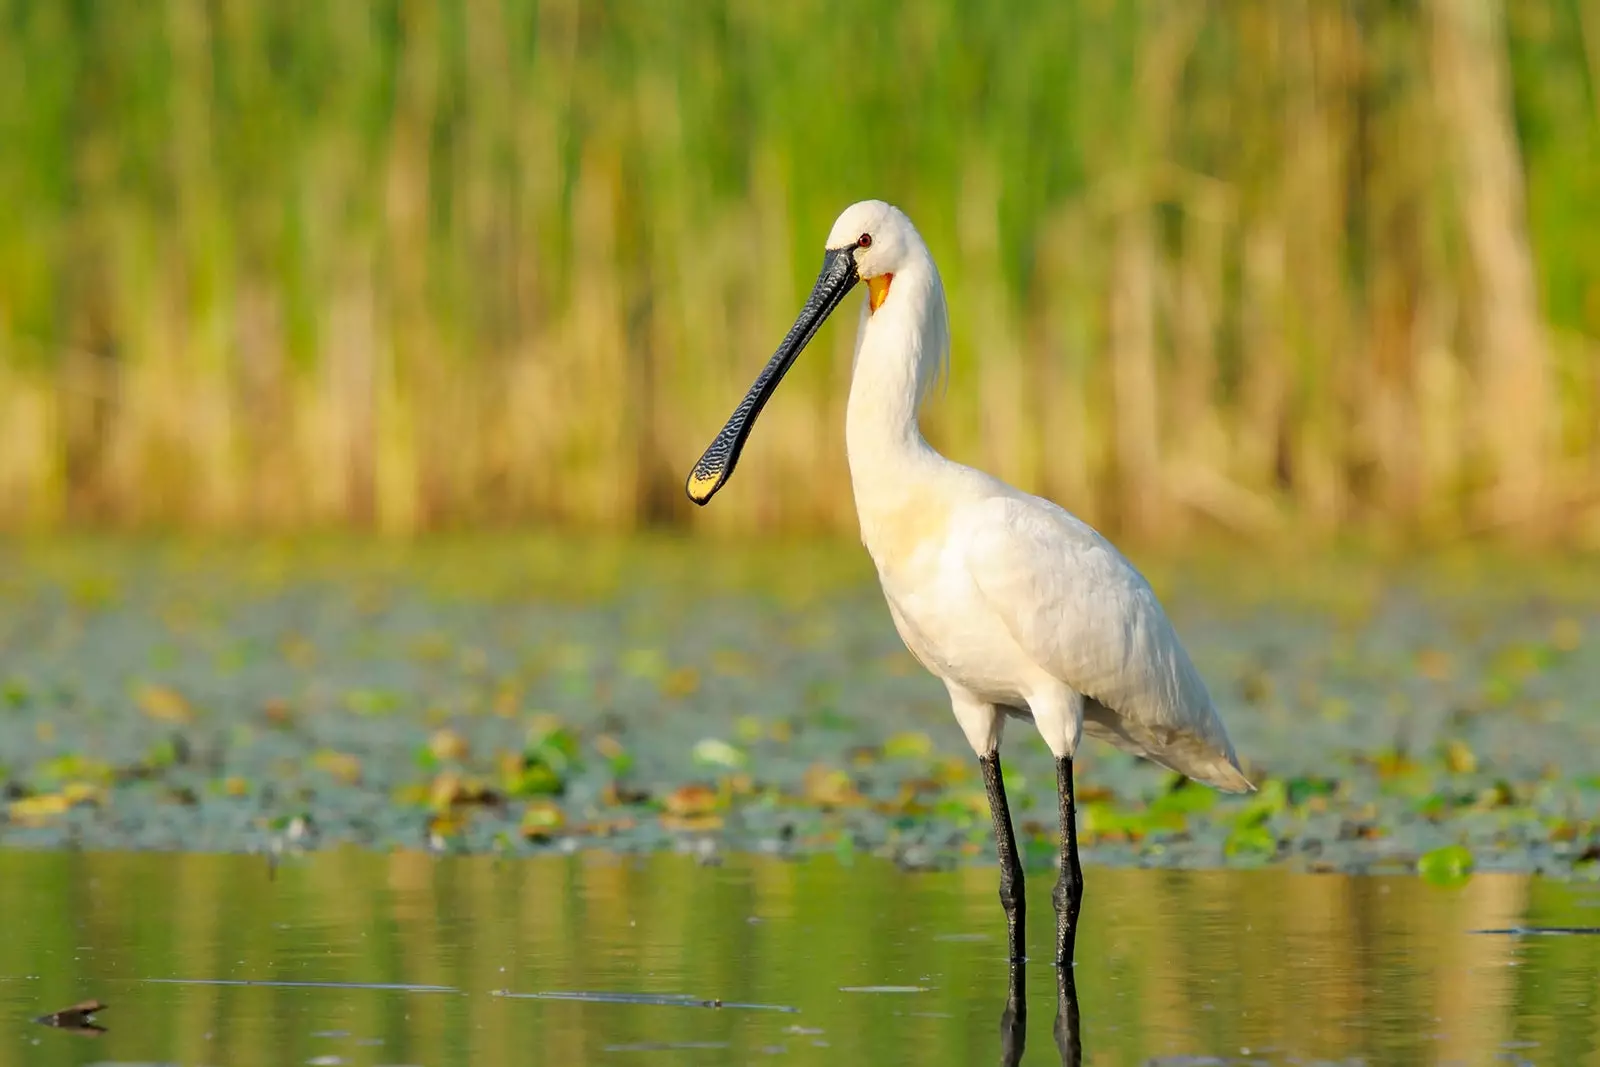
x=1085, y=615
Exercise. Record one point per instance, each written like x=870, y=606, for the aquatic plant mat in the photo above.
x=529, y=695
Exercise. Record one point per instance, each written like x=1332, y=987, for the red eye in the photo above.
x=864, y=241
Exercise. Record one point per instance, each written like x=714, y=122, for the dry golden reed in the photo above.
x=1282, y=270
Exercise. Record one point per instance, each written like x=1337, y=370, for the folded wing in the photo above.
x=1085, y=615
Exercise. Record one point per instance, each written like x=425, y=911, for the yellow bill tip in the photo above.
x=701, y=486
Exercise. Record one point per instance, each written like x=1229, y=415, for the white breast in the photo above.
x=946, y=624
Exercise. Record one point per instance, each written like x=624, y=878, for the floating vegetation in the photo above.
x=468, y=699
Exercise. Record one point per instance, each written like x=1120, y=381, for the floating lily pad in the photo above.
x=713, y=752
x=1450, y=865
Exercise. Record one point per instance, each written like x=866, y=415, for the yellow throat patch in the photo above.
x=878, y=290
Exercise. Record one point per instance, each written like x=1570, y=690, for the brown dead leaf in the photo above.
x=691, y=823
x=911, y=798
x=542, y=820
x=164, y=704
x=1459, y=757
x=278, y=713
x=830, y=787
x=1434, y=664
x=448, y=746
x=950, y=770
x=451, y=790
x=1566, y=634
x=682, y=682
x=692, y=800
x=622, y=795
x=444, y=825
x=297, y=650
x=341, y=766
x=507, y=701
x=37, y=809
x=864, y=755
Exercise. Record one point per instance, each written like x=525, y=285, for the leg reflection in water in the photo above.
x=1014, y=1019
x=1067, y=1017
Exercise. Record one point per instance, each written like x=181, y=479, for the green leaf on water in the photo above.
x=550, y=757
x=1162, y=821
x=1100, y=818
x=554, y=745
x=72, y=766
x=828, y=718
x=646, y=663
x=14, y=693
x=1303, y=789
x=371, y=702
x=913, y=744
x=844, y=849
x=1184, y=798
x=164, y=753
x=1459, y=757
x=1450, y=865
x=1251, y=840
x=713, y=752
x=1436, y=805
x=957, y=808
x=1272, y=798
x=1039, y=854
x=534, y=779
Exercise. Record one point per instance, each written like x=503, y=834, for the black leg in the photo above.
x=1006, y=847
x=1067, y=1039
x=1014, y=1020
x=1069, y=886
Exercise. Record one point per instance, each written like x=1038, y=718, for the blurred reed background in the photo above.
x=1277, y=270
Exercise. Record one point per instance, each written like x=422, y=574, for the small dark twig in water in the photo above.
x=78, y=1019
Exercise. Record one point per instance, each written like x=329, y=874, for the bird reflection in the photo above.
x=1067, y=1041
x=1014, y=1019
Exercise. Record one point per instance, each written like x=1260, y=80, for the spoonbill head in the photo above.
x=1022, y=610
x=871, y=242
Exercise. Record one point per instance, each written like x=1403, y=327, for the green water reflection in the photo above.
x=1250, y=967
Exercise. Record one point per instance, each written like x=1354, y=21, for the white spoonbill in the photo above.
x=1020, y=608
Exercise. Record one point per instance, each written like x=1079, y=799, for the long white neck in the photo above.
x=899, y=351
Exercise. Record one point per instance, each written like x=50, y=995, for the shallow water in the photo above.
x=360, y=958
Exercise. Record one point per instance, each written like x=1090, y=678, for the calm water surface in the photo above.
x=365, y=959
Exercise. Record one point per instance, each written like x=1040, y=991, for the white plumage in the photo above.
x=1016, y=605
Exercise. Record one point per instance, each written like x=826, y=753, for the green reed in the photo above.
x=1283, y=269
